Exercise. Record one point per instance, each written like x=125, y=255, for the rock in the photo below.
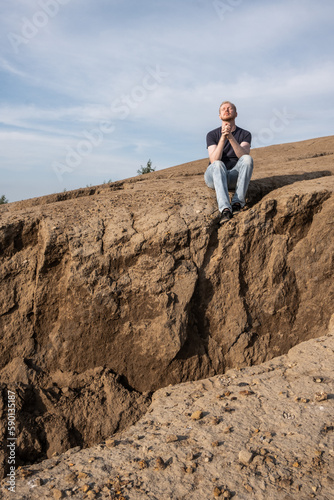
x=246, y=392
x=142, y=464
x=197, y=415
x=172, y=438
x=190, y=469
x=217, y=492
x=320, y=396
x=228, y=409
x=258, y=460
x=159, y=464
x=71, y=478
x=207, y=456
x=228, y=429
x=85, y=488
x=25, y=473
x=82, y=475
x=92, y=494
x=245, y=457
x=269, y=460
x=110, y=443
x=57, y=494
x=299, y=399
x=226, y=394
x=71, y=451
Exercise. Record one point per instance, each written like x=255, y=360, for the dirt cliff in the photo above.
x=262, y=432
x=112, y=292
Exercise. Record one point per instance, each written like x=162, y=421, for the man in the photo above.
x=231, y=166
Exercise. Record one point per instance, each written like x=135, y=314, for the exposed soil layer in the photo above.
x=112, y=292
x=263, y=432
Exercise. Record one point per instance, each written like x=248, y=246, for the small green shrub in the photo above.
x=146, y=170
x=3, y=200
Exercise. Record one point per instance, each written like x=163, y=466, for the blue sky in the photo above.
x=92, y=89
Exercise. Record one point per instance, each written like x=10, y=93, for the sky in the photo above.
x=93, y=89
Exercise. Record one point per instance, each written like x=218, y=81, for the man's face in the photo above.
x=227, y=112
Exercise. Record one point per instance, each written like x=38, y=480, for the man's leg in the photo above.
x=243, y=170
x=216, y=178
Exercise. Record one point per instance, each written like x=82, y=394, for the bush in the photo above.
x=3, y=200
x=147, y=169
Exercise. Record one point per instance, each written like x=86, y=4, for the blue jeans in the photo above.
x=219, y=178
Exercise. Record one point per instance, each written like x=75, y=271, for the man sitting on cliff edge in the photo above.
x=231, y=166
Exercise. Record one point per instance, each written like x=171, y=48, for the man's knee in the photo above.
x=247, y=160
x=218, y=165
x=246, y=163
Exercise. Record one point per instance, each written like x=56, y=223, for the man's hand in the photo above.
x=226, y=130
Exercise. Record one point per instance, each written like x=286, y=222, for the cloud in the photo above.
x=90, y=63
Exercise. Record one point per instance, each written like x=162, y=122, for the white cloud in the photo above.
x=264, y=56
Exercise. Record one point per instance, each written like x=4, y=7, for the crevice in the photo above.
x=239, y=305
x=297, y=222
x=307, y=157
x=103, y=230
x=18, y=236
x=254, y=250
x=11, y=310
x=259, y=188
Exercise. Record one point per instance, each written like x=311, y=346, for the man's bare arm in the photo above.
x=215, y=151
x=239, y=149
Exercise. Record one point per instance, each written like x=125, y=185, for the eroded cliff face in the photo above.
x=135, y=286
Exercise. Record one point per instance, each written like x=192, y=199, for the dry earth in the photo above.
x=264, y=432
x=112, y=292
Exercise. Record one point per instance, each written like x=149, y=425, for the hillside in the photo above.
x=113, y=292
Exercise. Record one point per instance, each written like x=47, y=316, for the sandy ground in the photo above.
x=262, y=432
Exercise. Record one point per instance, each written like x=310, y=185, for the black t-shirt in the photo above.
x=228, y=157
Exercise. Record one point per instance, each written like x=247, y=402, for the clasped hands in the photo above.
x=226, y=130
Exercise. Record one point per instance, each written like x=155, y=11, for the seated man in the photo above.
x=230, y=163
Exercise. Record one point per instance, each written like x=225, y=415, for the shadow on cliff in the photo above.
x=261, y=187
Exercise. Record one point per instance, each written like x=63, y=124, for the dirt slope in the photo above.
x=109, y=293
x=263, y=432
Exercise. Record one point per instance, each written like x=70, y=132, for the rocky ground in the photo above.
x=108, y=294
x=264, y=432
